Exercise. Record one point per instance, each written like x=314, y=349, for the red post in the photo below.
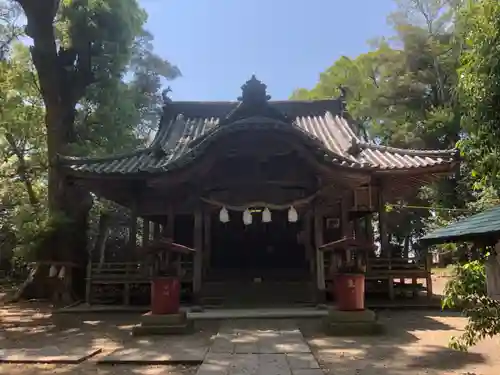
x=165, y=295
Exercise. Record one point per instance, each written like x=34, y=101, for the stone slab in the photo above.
x=302, y=361
x=338, y=316
x=248, y=341
x=258, y=364
x=354, y=328
x=178, y=329
x=308, y=372
x=150, y=319
x=49, y=354
x=166, y=352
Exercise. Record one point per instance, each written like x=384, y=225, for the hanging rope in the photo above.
x=428, y=208
x=286, y=206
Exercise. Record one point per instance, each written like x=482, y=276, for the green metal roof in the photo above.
x=483, y=225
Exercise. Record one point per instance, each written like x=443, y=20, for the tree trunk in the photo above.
x=68, y=243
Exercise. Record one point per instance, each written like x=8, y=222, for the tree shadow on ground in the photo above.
x=415, y=342
x=29, y=324
x=32, y=325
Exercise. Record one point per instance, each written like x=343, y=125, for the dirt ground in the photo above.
x=415, y=344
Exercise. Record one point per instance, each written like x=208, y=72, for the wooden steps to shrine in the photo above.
x=257, y=294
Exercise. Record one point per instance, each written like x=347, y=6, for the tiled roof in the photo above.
x=187, y=127
x=484, y=224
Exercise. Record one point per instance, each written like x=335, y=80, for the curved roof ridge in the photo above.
x=413, y=152
x=205, y=139
x=97, y=159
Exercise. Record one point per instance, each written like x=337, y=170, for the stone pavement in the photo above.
x=238, y=351
x=47, y=354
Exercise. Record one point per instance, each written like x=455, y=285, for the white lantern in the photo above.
x=52, y=271
x=247, y=217
x=293, y=216
x=62, y=273
x=224, y=215
x=266, y=215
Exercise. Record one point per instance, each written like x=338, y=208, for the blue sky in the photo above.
x=219, y=44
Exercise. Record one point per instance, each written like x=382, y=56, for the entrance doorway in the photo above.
x=259, y=250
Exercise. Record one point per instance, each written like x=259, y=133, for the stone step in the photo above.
x=175, y=329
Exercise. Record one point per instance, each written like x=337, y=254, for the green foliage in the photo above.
x=467, y=279
x=479, y=88
x=116, y=113
x=483, y=315
x=402, y=94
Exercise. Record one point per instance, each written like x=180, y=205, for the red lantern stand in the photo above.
x=165, y=289
x=348, y=268
x=165, y=316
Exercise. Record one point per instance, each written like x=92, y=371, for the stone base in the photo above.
x=163, y=324
x=352, y=323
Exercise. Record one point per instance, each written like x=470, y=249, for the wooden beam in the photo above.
x=198, y=257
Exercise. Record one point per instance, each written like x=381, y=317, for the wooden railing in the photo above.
x=126, y=274
x=393, y=273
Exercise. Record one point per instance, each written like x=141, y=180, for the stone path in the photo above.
x=170, y=350
x=48, y=354
x=238, y=351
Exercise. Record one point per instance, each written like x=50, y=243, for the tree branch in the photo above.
x=23, y=169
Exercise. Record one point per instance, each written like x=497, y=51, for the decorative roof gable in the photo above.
x=253, y=102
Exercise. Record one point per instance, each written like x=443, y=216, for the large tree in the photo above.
x=81, y=51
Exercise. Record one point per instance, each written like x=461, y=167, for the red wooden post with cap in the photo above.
x=349, y=272
x=165, y=280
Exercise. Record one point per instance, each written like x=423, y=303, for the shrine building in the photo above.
x=256, y=187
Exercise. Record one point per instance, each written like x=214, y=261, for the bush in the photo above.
x=468, y=279
x=467, y=291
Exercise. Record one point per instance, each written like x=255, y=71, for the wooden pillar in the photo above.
x=132, y=239
x=198, y=256
x=145, y=232
x=369, y=227
x=318, y=241
x=207, y=241
x=132, y=245
x=428, y=269
x=309, y=248
x=384, y=239
x=346, y=225
x=156, y=231
x=168, y=230
x=382, y=224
